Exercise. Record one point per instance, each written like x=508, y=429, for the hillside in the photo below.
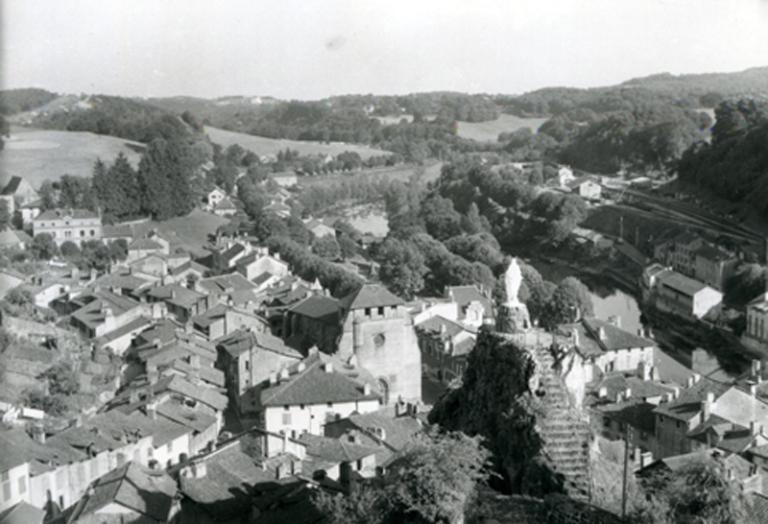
x=13, y=101
x=38, y=155
x=489, y=131
x=271, y=146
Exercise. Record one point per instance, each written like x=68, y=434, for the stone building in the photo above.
x=73, y=225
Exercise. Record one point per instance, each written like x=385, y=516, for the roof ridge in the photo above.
x=292, y=382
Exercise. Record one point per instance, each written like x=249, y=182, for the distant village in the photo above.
x=222, y=384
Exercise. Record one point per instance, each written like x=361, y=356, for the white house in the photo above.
x=213, y=198
x=756, y=334
x=319, y=389
x=676, y=293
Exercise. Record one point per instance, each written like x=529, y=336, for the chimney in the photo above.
x=628, y=393
x=301, y=367
x=194, y=361
x=366, y=389
x=38, y=433
x=753, y=389
x=689, y=382
x=284, y=374
x=285, y=441
x=152, y=410
x=156, y=342
x=272, y=379
x=615, y=320
x=575, y=337
x=756, y=366
x=601, y=334
x=602, y=392
x=328, y=367
x=696, y=377
x=706, y=406
x=93, y=274
x=675, y=392
x=755, y=428
x=173, y=294
x=200, y=470
x=645, y=371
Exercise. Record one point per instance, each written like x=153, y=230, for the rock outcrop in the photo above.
x=513, y=396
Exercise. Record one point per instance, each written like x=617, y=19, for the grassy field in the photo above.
x=38, y=155
x=489, y=131
x=189, y=232
x=270, y=146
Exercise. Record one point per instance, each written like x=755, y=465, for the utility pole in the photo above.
x=625, y=477
x=621, y=227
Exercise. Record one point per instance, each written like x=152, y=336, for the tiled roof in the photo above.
x=145, y=491
x=225, y=283
x=145, y=244
x=225, y=204
x=12, y=186
x=463, y=347
x=208, y=374
x=91, y=314
x=616, y=383
x=615, y=337
x=232, y=252
x=12, y=237
x=116, y=231
x=263, y=277
x=22, y=513
x=60, y=214
x=175, y=294
x=335, y=450
x=464, y=295
x=186, y=416
x=317, y=307
x=223, y=490
x=137, y=323
x=119, y=280
x=435, y=324
x=370, y=295
x=758, y=506
x=639, y=415
x=242, y=340
x=689, y=402
x=681, y=283
x=315, y=385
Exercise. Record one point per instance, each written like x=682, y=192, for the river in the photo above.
x=608, y=300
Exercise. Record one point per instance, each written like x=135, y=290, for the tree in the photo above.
x=19, y=297
x=440, y=218
x=69, y=250
x=402, y=267
x=700, y=493
x=75, y=192
x=5, y=214
x=432, y=481
x=164, y=179
x=43, y=247
x=570, y=300
x=47, y=195
x=62, y=379
x=326, y=247
x=96, y=255
x=118, y=250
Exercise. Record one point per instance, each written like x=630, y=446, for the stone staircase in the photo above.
x=564, y=430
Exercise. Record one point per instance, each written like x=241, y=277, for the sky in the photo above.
x=309, y=49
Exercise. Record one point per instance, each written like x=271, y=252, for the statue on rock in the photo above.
x=513, y=316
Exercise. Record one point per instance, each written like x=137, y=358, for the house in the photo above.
x=714, y=265
x=389, y=429
x=591, y=238
x=181, y=302
x=285, y=179
x=371, y=324
x=29, y=212
x=19, y=192
x=113, y=232
x=228, y=288
x=214, y=197
x=340, y=459
x=475, y=308
x=606, y=347
x=15, y=238
x=278, y=208
x=445, y=346
x=222, y=320
x=304, y=396
x=564, y=176
x=131, y=493
x=676, y=293
x=73, y=225
x=9, y=279
x=756, y=333
x=319, y=229
x=225, y=208
x=258, y=263
x=586, y=187
x=103, y=311
x=142, y=247
x=22, y=513
x=679, y=252
x=248, y=358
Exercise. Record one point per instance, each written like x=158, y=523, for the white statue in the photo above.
x=512, y=280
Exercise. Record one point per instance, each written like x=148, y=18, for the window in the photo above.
x=367, y=312
x=301, y=406
x=82, y=232
x=286, y=407
x=381, y=310
x=247, y=365
x=359, y=464
x=22, y=485
x=286, y=419
x=6, y=490
x=330, y=404
x=379, y=340
x=93, y=233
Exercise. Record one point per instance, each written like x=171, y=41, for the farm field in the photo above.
x=489, y=131
x=270, y=146
x=40, y=155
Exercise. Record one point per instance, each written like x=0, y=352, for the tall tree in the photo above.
x=5, y=214
x=164, y=180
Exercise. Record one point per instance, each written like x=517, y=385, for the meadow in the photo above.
x=40, y=155
x=271, y=146
x=489, y=131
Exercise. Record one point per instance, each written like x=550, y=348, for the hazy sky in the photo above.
x=314, y=48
